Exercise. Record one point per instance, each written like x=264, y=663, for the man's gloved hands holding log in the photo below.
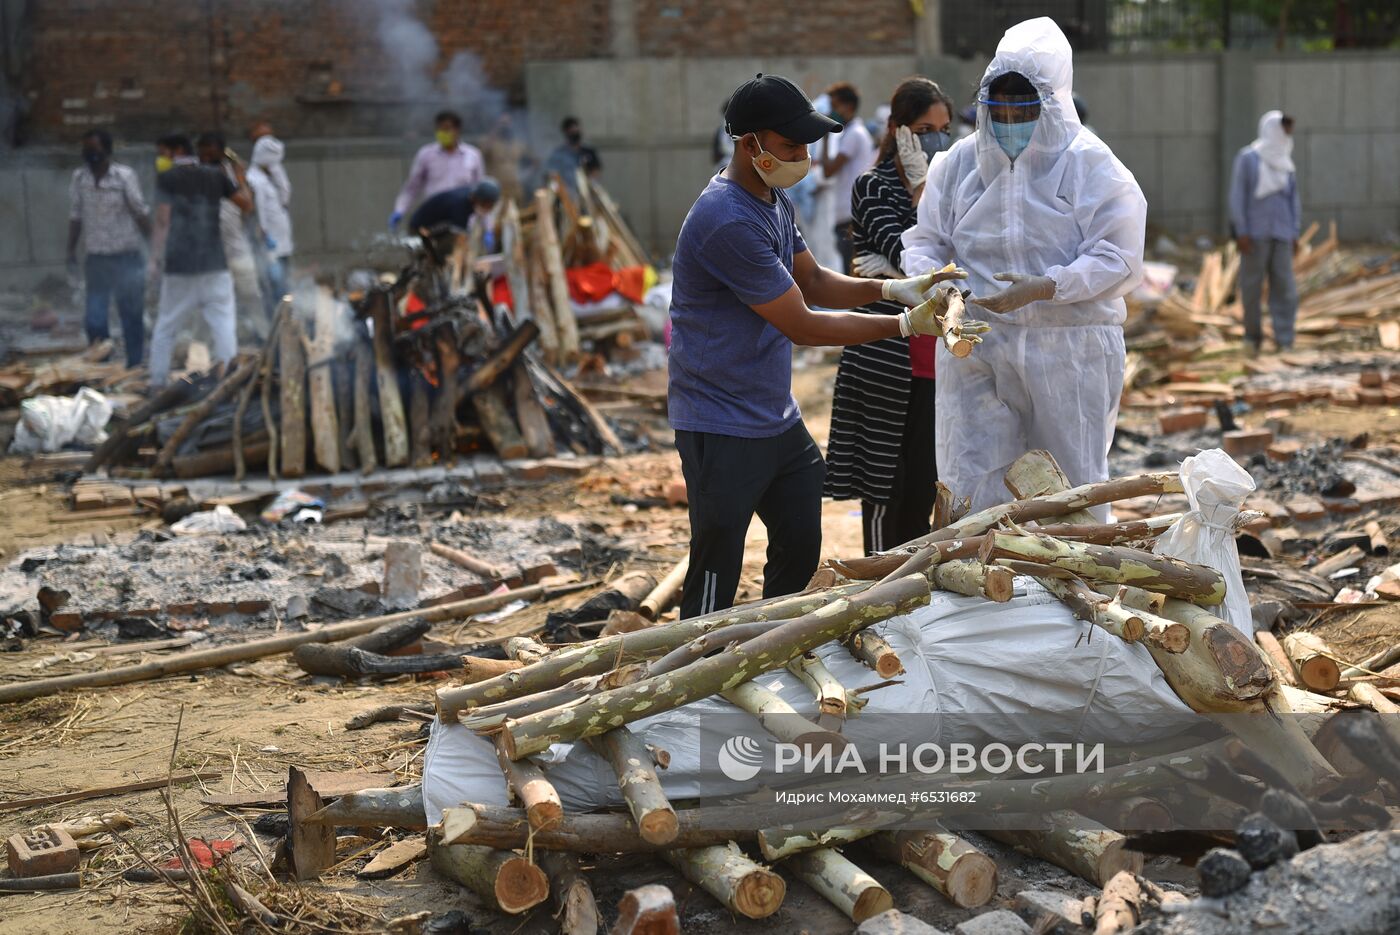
x=915, y=289
x=927, y=318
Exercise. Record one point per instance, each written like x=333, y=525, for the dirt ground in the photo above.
x=240, y=728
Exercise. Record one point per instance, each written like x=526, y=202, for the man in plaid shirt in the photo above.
x=110, y=220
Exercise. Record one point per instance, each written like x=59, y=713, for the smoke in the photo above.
x=411, y=53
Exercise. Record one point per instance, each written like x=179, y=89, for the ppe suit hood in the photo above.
x=1038, y=50
x=1274, y=147
x=268, y=150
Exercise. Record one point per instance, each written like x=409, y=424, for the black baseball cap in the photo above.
x=771, y=102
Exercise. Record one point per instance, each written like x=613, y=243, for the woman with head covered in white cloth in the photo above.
x=1050, y=227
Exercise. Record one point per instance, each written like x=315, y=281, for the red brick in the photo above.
x=1345, y=398
x=1270, y=508
x=1371, y=378
x=1185, y=419
x=251, y=607
x=1392, y=394
x=1245, y=442
x=533, y=573
x=1304, y=509
x=1284, y=449
x=1342, y=506
x=66, y=620
x=1285, y=400
x=41, y=852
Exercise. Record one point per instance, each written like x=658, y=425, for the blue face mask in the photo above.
x=933, y=142
x=1013, y=137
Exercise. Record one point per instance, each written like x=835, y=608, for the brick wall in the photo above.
x=324, y=68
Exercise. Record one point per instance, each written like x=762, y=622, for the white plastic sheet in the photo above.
x=966, y=660
x=209, y=523
x=50, y=423
x=1217, y=488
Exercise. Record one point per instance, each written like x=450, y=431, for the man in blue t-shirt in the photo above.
x=743, y=281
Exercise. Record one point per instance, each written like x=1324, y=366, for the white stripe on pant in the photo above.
x=180, y=294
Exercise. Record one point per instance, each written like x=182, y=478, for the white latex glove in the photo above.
x=912, y=291
x=911, y=156
x=927, y=318
x=1024, y=290
x=875, y=266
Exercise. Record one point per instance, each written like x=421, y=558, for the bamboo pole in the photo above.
x=255, y=649
x=712, y=674
x=466, y=560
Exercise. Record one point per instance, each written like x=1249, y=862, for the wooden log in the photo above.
x=1313, y=660
x=541, y=313
x=1379, y=544
x=400, y=807
x=468, y=561
x=420, y=421
x=1036, y=474
x=576, y=909
x=509, y=828
x=737, y=882
x=602, y=655
x=534, y=423
x=776, y=844
x=974, y=580
x=501, y=358
x=832, y=698
x=1278, y=659
x=872, y=649
x=528, y=784
x=343, y=379
x=173, y=394
x=781, y=719
x=1074, y=843
x=548, y=235
x=333, y=659
x=641, y=789
x=391, y=414
x=364, y=424
x=200, y=411
x=291, y=380
x=647, y=910
x=321, y=356
x=1118, y=564
x=256, y=450
x=443, y=420
x=498, y=423
x=962, y=873
x=311, y=846
x=953, y=339
x=664, y=594
x=46, y=883
x=259, y=378
x=1092, y=607
x=255, y=649
x=843, y=884
x=710, y=675
x=505, y=881
x=1374, y=663
x=611, y=443
x=1120, y=907
x=525, y=649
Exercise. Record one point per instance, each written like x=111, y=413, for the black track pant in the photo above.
x=727, y=480
x=905, y=515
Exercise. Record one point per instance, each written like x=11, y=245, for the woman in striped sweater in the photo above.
x=881, y=447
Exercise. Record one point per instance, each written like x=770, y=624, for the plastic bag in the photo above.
x=50, y=423
x=210, y=523
x=289, y=502
x=1217, y=487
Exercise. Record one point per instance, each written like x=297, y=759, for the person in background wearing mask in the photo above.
x=443, y=164
x=1051, y=228
x=1266, y=214
x=571, y=155
x=881, y=449
x=744, y=283
x=272, y=201
x=187, y=236
x=109, y=219
x=277, y=172
x=843, y=162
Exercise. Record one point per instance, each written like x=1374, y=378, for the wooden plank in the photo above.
x=320, y=353
x=328, y=784
x=292, y=380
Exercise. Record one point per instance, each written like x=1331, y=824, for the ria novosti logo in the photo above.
x=740, y=758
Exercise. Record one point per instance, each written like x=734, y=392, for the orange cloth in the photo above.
x=591, y=283
x=500, y=293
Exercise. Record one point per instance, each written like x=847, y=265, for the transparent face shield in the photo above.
x=1012, y=108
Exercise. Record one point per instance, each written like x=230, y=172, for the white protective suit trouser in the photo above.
x=1024, y=388
x=209, y=293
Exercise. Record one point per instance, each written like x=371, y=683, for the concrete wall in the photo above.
x=1176, y=121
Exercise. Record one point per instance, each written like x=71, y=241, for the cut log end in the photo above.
x=1174, y=639
x=871, y=902
x=1320, y=673
x=960, y=347
x=544, y=814
x=659, y=827
x=972, y=881
x=759, y=894
x=520, y=885
x=1134, y=629
x=999, y=584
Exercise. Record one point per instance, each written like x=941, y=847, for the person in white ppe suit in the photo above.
x=1050, y=227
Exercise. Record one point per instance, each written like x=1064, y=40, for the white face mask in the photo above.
x=776, y=173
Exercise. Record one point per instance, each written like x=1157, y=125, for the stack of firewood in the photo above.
x=413, y=371
x=589, y=692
